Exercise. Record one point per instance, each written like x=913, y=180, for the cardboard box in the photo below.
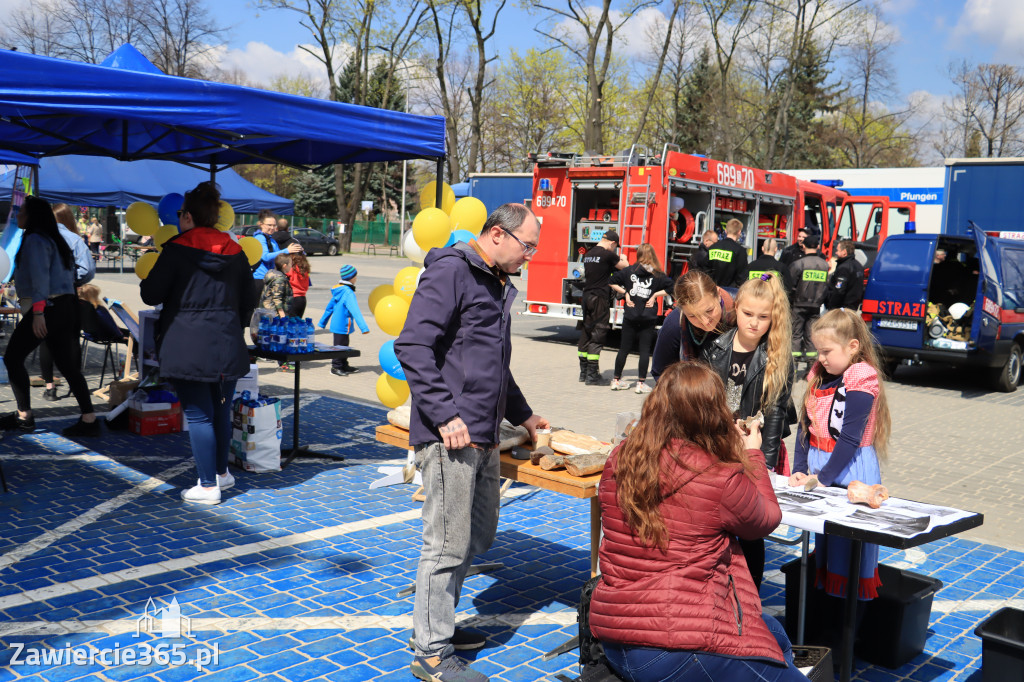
x=153, y=422
x=121, y=390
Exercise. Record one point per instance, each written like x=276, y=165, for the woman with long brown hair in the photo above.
x=642, y=284
x=703, y=311
x=675, y=600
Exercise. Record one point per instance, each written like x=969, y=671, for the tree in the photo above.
x=694, y=115
x=986, y=118
x=314, y=194
x=803, y=144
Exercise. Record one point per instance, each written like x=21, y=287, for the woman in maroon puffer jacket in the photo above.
x=675, y=600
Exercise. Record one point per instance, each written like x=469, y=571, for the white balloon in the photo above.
x=411, y=249
x=419, y=274
x=5, y=266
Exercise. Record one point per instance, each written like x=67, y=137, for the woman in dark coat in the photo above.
x=202, y=279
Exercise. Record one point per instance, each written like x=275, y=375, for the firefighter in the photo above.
x=598, y=265
x=796, y=250
x=810, y=284
x=700, y=261
x=768, y=263
x=727, y=259
x=846, y=285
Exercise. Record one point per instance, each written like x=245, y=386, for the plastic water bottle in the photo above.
x=280, y=336
x=263, y=333
x=295, y=335
x=310, y=335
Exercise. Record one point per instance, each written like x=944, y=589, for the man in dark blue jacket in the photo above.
x=455, y=350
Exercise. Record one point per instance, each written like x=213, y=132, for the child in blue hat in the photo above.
x=343, y=311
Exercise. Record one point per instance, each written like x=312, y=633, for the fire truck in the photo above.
x=578, y=197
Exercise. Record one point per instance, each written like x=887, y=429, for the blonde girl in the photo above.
x=703, y=311
x=844, y=429
x=642, y=284
x=755, y=362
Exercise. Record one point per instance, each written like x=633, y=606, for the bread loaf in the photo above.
x=570, y=443
x=400, y=417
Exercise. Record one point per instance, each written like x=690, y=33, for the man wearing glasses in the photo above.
x=455, y=350
x=267, y=222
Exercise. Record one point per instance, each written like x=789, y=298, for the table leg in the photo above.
x=595, y=534
x=297, y=449
x=850, y=612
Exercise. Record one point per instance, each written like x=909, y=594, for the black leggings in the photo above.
x=643, y=332
x=62, y=337
x=296, y=306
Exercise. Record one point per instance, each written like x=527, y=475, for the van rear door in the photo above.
x=897, y=291
x=1000, y=290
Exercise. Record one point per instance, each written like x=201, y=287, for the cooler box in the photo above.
x=895, y=625
x=1002, y=645
x=152, y=419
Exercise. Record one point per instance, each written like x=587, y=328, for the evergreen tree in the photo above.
x=314, y=194
x=805, y=144
x=694, y=118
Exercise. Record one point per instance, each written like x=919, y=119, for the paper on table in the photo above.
x=897, y=517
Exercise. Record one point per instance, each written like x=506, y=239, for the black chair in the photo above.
x=99, y=328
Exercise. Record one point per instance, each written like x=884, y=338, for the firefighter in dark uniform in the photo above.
x=727, y=259
x=768, y=263
x=846, y=285
x=810, y=284
x=598, y=265
x=796, y=249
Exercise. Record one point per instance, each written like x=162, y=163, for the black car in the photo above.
x=312, y=242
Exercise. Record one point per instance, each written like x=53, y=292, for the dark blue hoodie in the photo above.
x=456, y=345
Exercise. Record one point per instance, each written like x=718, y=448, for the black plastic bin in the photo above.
x=894, y=627
x=1002, y=645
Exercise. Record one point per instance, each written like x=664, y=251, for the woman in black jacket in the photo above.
x=202, y=278
x=755, y=363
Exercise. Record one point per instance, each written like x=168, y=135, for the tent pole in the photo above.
x=213, y=172
x=439, y=185
x=401, y=217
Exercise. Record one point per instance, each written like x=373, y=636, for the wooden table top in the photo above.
x=560, y=480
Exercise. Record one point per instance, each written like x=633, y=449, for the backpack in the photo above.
x=593, y=663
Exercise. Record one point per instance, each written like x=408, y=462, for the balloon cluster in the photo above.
x=162, y=223
x=455, y=221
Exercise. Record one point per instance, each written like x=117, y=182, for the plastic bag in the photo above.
x=256, y=435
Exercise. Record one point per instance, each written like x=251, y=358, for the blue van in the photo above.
x=964, y=309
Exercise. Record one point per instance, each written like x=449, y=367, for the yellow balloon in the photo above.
x=431, y=228
x=142, y=218
x=405, y=282
x=379, y=292
x=428, y=196
x=391, y=391
x=252, y=249
x=163, y=234
x=226, y=219
x=145, y=264
x=390, y=313
x=469, y=214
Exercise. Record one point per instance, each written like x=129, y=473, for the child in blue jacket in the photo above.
x=343, y=311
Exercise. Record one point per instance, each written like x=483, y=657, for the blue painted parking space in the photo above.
x=295, y=575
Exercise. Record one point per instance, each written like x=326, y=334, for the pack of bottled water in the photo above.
x=286, y=334
x=248, y=400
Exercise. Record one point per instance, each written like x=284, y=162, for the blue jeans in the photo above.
x=460, y=519
x=644, y=664
x=207, y=406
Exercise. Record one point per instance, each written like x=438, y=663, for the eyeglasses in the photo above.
x=528, y=250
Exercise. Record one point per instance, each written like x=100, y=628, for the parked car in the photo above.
x=314, y=242
x=244, y=230
x=966, y=308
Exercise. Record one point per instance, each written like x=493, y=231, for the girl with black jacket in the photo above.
x=45, y=277
x=755, y=362
x=202, y=279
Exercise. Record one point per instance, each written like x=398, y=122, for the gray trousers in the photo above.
x=460, y=519
x=803, y=318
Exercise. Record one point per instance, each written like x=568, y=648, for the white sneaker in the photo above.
x=225, y=481
x=618, y=385
x=641, y=387
x=201, y=495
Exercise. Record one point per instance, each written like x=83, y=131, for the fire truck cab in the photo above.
x=577, y=198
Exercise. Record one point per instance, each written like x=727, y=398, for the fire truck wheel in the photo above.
x=687, y=219
x=1008, y=376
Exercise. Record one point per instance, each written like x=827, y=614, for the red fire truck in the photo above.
x=577, y=198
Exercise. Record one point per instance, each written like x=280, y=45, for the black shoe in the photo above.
x=50, y=394
x=82, y=429
x=463, y=640
x=593, y=374
x=338, y=372
x=11, y=422
x=351, y=370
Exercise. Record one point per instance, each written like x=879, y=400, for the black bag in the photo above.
x=593, y=663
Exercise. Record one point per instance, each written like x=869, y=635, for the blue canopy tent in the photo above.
x=52, y=107
x=102, y=181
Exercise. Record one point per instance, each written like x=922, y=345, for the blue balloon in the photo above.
x=168, y=208
x=460, y=236
x=389, y=361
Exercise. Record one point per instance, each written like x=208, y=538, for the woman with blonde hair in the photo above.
x=675, y=601
x=642, y=284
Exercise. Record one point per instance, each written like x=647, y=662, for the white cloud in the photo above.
x=261, y=64
x=999, y=23
x=633, y=38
